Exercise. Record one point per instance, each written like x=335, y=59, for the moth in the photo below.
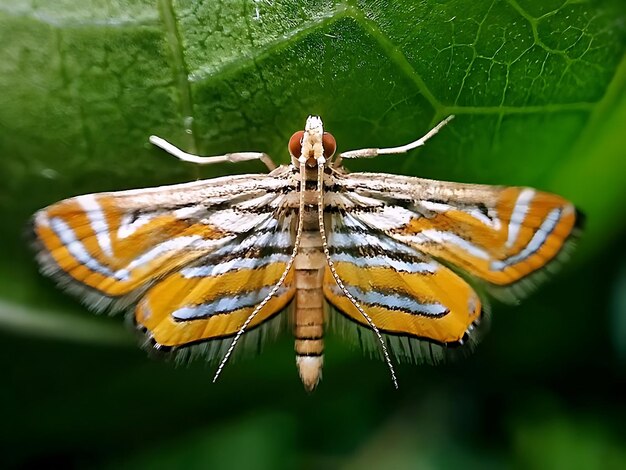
x=398, y=262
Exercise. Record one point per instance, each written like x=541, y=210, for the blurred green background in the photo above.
x=538, y=88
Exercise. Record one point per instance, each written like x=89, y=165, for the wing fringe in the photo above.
x=212, y=351
x=411, y=349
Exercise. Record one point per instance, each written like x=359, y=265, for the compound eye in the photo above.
x=330, y=145
x=295, y=144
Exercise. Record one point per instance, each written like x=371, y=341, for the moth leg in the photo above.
x=228, y=157
x=374, y=152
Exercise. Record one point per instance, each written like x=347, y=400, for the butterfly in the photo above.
x=400, y=263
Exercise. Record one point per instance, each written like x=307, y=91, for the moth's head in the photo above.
x=312, y=143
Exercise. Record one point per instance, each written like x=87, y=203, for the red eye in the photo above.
x=295, y=144
x=330, y=144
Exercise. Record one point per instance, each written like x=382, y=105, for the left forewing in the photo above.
x=109, y=248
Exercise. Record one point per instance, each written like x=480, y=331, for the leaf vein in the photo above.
x=180, y=70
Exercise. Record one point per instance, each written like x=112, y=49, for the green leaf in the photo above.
x=537, y=88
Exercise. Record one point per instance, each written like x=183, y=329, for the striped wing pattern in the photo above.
x=184, y=250
x=501, y=235
x=197, y=258
x=403, y=291
x=394, y=241
x=212, y=297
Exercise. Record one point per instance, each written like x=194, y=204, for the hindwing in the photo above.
x=407, y=294
x=212, y=297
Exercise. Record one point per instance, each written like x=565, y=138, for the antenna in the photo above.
x=281, y=280
x=320, y=216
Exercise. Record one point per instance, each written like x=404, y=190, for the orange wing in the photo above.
x=110, y=248
x=501, y=235
x=197, y=258
x=213, y=297
x=406, y=294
